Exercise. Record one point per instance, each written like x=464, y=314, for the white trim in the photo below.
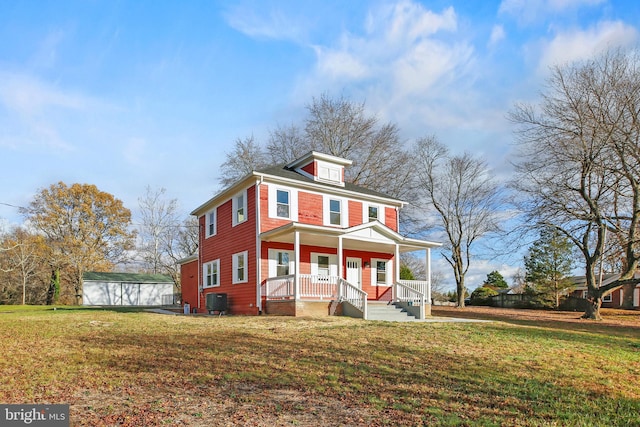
x=273, y=261
x=365, y=212
x=273, y=201
x=235, y=266
x=205, y=274
x=326, y=211
x=388, y=272
x=333, y=263
x=235, y=208
x=207, y=223
x=608, y=298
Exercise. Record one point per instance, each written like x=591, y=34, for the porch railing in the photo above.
x=411, y=300
x=315, y=287
x=421, y=286
x=353, y=295
x=311, y=286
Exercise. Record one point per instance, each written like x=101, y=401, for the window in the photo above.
x=607, y=298
x=373, y=213
x=329, y=174
x=334, y=212
x=210, y=223
x=282, y=200
x=239, y=206
x=323, y=265
x=240, y=267
x=211, y=274
x=382, y=274
x=282, y=264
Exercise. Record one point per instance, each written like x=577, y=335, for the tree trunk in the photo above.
x=593, y=308
x=461, y=292
x=53, y=284
x=627, y=296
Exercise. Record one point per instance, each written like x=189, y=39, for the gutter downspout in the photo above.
x=258, y=247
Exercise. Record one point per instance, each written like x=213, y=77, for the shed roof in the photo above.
x=126, y=277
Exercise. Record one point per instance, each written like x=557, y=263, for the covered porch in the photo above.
x=309, y=269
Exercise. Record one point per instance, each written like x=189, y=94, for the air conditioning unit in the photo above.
x=217, y=302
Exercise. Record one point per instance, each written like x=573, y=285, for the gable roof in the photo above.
x=94, y=276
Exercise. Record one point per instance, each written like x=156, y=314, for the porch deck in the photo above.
x=341, y=297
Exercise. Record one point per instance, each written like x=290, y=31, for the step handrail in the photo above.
x=353, y=295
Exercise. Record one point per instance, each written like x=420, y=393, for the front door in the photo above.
x=354, y=271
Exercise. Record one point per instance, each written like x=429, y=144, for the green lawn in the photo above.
x=137, y=368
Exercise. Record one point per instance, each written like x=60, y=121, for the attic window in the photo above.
x=329, y=173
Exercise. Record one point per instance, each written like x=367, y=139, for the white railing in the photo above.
x=281, y=287
x=353, y=295
x=406, y=293
x=310, y=287
x=318, y=287
x=421, y=286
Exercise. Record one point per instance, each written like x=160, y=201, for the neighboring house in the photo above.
x=612, y=300
x=126, y=289
x=297, y=240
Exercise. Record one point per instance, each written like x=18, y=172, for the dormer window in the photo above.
x=329, y=174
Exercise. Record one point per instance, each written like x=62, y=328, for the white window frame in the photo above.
x=235, y=262
x=608, y=298
x=329, y=172
x=235, y=207
x=344, y=211
x=333, y=263
x=365, y=212
x=388, y=272
x=273, y=202
x=205, y=273
x=208, y=223
x=273, y=261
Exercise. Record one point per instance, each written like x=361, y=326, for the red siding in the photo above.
x=373, y=292
x=310, y=168
x=310, y=208
x=355, y=213
x=391, y=218
x=267, y=223
x=189, y=283
x=228, y=241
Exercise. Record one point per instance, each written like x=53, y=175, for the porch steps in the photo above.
x=388, y=313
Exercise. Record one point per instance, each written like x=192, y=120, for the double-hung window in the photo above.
x=335, y=212
x=210, y=220
x=239, y=262
x=382, y=272
x=323, y=265
x=239, y=206
x=211, y=274
x=373, y=212
x=283, y=203
x=282, y=264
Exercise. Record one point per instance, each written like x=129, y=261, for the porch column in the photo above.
x=396, y=273
x=296, y=272
x=428, y=272
x=340, y=266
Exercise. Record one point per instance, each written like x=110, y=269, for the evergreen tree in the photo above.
x=548, y=263
x=495, y=280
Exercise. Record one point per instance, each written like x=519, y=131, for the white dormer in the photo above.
x=321, y=167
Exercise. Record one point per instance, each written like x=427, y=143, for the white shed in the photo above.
x=126, y=289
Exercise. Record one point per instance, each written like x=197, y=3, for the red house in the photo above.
x=299, y=240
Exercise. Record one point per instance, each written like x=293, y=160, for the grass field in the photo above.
x=136, y=368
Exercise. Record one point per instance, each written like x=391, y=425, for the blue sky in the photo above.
x=125, y=94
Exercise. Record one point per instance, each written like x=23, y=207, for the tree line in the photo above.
x=576, y=188
x=72, y=229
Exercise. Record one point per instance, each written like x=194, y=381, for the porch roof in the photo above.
x=371, y=236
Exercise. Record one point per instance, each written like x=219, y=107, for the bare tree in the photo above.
x=164, y=238
x=579, y=164
x=462, y=199
x=338, y=127
x=247, y=156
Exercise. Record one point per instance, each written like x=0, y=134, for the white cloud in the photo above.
x=574, y=45
x=497, y=34
x=29, y=95
x=261, y=20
